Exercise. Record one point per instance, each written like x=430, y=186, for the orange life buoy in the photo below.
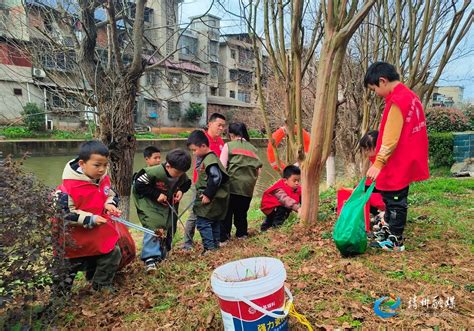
x=278, y=136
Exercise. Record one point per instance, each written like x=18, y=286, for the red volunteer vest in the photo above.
x=100, y=239
x=269, y=201
x=409, y=161
x=215, y=145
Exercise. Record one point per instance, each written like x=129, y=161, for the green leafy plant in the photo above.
x=446, y=120
x=16, y=132
x=441, y=149
x=194, y=112
x=33, y=117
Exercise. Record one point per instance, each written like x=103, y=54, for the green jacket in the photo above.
x=217, y=208
x=152, y=214
x=242, y=167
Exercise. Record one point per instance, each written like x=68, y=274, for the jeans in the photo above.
x=237, y=210
x=275, y=218
x=151, y=248
x=396, y=210
x=210, y=232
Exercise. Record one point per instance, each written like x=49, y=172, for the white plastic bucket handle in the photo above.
x=269, y=313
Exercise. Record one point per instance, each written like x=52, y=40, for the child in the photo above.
x=153, y=188
x=152, y=156
x=212, y=190
x=281, y=198
x=367, y=144
x=240, y=158
x=401, y=150
x=90, y=237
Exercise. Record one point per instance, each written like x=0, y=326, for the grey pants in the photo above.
x=190, y=226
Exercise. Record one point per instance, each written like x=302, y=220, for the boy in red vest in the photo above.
x=401, y=151
x=282, y=198
x=90, y=241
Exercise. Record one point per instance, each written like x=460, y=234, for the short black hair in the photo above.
x=179, y=159
x=291, y=170
x=369, y=140
x=379, y=70
x=148, y=152
x=92, y=147
x=215, y=116
x=239, y=129
x=198, y=138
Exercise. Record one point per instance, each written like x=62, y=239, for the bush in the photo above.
x=441, y=149
x=446, y=120
x=194, y=112
x=253, y=133
x=33, y=117
x=16, y=132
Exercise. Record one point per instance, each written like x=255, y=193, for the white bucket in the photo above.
x=249, y=304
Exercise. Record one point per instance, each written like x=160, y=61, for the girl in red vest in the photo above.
x=282, y=198
x=90, y=238
x=401, y=151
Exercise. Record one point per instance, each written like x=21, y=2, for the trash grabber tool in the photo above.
x=134, y=226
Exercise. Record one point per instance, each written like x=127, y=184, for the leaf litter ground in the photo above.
x=331, y=291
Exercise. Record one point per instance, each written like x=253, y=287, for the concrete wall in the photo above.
x=463, y=146
x=18, y=148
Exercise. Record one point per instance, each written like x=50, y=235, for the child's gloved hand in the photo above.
x=162, y=198
x=111, y=209
x=177, y=197
x=205, y=200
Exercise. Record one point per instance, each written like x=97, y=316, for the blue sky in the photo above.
x=460, y=71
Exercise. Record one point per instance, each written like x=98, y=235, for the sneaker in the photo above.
x=187, y=247
x=381, y=234
x=150, y=265
x=392, y=243
x=224, y=243
x=242, y=237
x=379, y=221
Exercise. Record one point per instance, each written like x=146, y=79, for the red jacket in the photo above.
x=269, y=200
x=409, y=161
x=84, y=197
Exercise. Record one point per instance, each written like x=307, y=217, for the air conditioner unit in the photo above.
x=38, y=73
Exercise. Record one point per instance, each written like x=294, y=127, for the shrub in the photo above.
x=33, y=117
x=446, y=120
x=194, y=112
x=27, y=261
x=16, y=132
x=253, y=133
x=441, y=149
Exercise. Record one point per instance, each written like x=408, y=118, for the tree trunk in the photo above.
x=117, y=126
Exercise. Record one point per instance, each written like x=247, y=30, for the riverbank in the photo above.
x=60, y=147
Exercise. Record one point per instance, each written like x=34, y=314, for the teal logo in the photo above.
x=385, y=307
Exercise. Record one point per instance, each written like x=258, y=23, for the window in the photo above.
x=170, y=12
x=233, y=54
x=213, y=51
x=233, y=75
x=153, y=78
x=245, y=78
x=148, y=15
x=232, y=94
x=188, y=45
x=151, y=108
x=244, y=96
x=17, y=91
x=169, y=40
x=175, y=80
x=195, y=86
x=57, y=102
x=174, y=111
x=213, y=71
x=214, y=91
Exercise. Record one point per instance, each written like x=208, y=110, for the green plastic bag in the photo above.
x=349, y=230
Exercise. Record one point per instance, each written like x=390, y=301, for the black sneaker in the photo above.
x=381, y=234
x=150, y=265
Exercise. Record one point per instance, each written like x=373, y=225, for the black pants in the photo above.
x=275, y=218
x=100, y=269
x=396, y=210
x=237, y=210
